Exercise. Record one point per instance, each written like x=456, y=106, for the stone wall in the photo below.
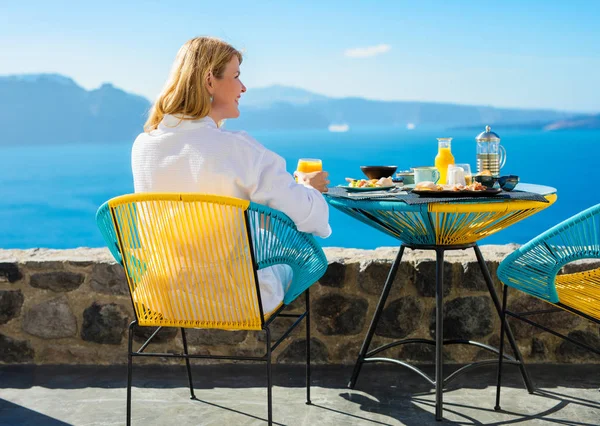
x=73, y=307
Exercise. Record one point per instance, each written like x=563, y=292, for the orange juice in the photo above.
x=444, y=158
x=308, y=165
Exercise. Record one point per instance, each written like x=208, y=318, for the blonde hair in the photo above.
x=185, y=93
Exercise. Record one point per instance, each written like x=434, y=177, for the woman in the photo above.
x=184, y=149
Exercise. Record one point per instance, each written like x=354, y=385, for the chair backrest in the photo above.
x=187, y=258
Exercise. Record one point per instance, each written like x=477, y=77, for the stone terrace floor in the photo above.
x=235, y=395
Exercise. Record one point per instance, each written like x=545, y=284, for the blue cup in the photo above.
x=423, y=174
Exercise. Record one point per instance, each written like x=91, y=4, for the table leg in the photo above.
x=509, y=334
x=375, y=320
x=501, y=349
x=439, y=333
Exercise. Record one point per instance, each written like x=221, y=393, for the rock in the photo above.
x=295, y=353
x=166, y=334
x=76, y=354
x=9, y=272
x=15, y=351
x=334, y=276
x=493, y=341
x=473, y=277
x=249, y=352
x=466, y=318
x=425, y=281
x=400, y=318
x=567, y=351
x=299, y=303
x=109, y=279
x=104, y=323
x=335, y=314
x=57, y=281
x=559, y=321
x=200, y=337
x=580, y=266
x=52, y=319
x=538, y=348
x=42, y=265
x=373, y=275
x=280, y=326
x=346, y=353
x=10, y=304
x=421, y=353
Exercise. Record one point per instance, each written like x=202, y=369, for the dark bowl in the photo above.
x=509, y=182
x=378, y=172
x=487, y=181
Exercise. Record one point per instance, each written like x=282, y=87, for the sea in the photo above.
x=49, y=194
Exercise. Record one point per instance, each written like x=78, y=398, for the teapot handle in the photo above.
x=502, y=156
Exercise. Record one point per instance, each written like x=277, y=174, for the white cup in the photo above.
x=429, y=174
x=455, y=176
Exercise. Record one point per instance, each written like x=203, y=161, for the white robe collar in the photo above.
x=175, y=123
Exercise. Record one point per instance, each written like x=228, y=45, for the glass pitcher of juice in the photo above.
x=308, y=165
x=444, y=158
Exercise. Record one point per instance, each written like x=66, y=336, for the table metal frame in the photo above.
x=366, y=356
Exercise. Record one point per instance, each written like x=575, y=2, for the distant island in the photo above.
x=51, y=108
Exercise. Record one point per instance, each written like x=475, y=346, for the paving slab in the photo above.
x=235, y=394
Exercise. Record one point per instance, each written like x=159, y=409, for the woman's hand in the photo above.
x=317, y=180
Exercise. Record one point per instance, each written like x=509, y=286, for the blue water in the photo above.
x=49, y=194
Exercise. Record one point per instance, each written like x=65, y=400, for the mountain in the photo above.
x=293, y=108
x=265, y=97
x=51, y=109
x=580, y=122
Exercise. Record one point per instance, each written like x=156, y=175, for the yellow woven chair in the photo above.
x=191, y=261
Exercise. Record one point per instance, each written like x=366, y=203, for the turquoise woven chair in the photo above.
x=534, y=268
x=191, y=262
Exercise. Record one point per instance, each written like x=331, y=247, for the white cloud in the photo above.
x=367, y=52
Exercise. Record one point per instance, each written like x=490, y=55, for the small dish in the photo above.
x=508, y=182
x=407, y=177
x=378, y=172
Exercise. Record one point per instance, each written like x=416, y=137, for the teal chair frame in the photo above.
x=534, y=268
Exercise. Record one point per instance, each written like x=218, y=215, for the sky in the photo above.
x=524, y=53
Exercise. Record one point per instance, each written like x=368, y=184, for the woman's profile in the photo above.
x=185, y=149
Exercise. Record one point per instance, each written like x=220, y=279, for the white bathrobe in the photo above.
x=197, y=156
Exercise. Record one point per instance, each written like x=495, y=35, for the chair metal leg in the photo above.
x=187, y=364
x=511, y=338
x=307, y=348
x=439, y=333
x=375, y=320
x=269, y=378
x=501, y=349
x=129, y=369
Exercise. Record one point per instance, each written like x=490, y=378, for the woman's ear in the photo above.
x=208, y=83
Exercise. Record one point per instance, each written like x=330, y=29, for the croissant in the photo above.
x=426, y=186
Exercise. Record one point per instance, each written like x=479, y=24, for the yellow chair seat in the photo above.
x=580, y=291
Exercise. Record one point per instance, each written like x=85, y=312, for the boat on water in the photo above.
x=338, y=127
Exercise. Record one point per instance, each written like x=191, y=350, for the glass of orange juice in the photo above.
x=308, y=165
